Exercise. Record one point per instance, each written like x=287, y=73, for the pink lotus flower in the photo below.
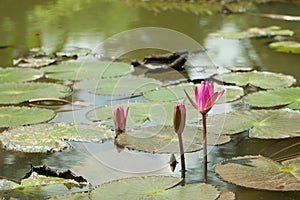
x=205, y=97
x=120, y=119
x=179, y=116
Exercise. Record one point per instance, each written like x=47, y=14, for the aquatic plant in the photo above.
x=179, y=116
x=120, y=119
x=205, y=99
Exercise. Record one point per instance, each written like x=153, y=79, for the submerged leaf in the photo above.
x=18, y=116
x=51, y=137
x=87, y=70
x=13, y=93
x=264, y=124
x=153, y=187
x=265, y=80
x=159, y=139
x=278, y=97
x=19, y=75
x=261, y=173
x=286, y=46
x=119, y=86
x=256, y=33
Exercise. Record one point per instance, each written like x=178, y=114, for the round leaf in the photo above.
x=34, y=62
x=13, y=93
x=277, y=97
x=261, y=173
x=18, y=116
x=264, y=124
x=153, y=187
x=265, y=80
x=51, y=137
x=19, y=74
x=164, y=140
x=87, y=70
x=73, y=51
x=120, y=86
x=255, y=33
x=177, y=92
x=45, y=185
x=286, y=46
x=142, y=113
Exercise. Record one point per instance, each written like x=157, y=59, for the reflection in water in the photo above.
x=231, y=52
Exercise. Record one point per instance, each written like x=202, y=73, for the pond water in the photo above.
x=94, y=24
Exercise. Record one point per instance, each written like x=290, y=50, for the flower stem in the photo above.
x=204, y=146
x=182, y=158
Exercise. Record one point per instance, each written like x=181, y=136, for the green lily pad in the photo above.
x=256, y=33
x=41, y=185
x=153, y=187
x=87, y=70
x=14, y=93
x=286, y=46
x=177, y=92
x=265, y=80
x=51, y=137
x=278, y=97
x=261, y=173
x=34, y=62
x=18, y=116
x=73, y=196
x=119, y=86
x=73, y=51
x=19, y=75
x=141, y=113
x=157, y=139
x=264, y=124
x=34, y=180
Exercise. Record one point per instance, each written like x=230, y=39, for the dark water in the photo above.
x=95, y=24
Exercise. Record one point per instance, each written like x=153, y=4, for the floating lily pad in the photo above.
x=226, y=195
x=153, y=187
x=73, y=196
x=163, y=139
x=51, y=137
x=256, y=33
x=13, y=93
x=19, y=75
x=46, y=185
x=18, y=116
x=87, y=70
x=286, y=46
x=141, y=113
x=120, y=86
x=34, y=62
x=265, y=80
x=177, y=92
x=264, y=124
x=278, y=97
x=73, y=51
x=261, y=173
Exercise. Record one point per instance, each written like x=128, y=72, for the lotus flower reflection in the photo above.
x=205, y=99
